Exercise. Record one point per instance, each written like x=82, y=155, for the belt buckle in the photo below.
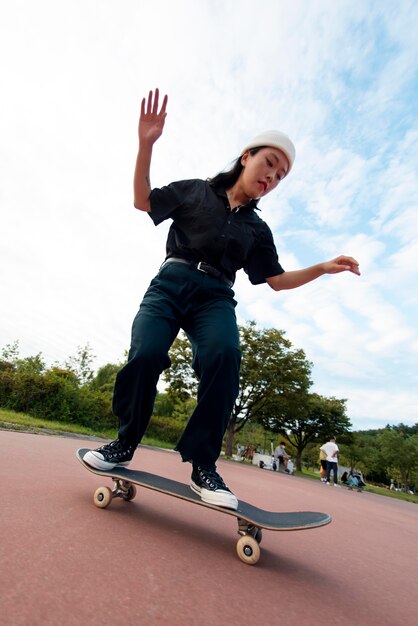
x=200, y=268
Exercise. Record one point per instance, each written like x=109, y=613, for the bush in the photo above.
x=168, y=429
x=56, y=396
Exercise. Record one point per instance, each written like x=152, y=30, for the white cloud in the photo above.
x=376, y=407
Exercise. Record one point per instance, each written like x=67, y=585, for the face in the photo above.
x=262, y=171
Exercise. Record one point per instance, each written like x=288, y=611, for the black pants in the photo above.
x=332, y=467
x=204, y=307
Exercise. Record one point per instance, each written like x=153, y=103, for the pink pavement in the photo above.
x=159, y=560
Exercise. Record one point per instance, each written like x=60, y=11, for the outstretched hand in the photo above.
x=342, y=264
x=151, y=121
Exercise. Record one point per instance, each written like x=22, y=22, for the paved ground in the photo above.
x=159, y=560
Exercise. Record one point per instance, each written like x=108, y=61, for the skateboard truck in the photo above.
x=248, y=548
x=121, y=489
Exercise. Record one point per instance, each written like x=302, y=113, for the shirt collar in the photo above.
x=252, y=204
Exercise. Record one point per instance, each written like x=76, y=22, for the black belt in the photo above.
x=202, y=267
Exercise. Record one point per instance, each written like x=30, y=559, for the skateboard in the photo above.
x=353, y=488
x=251, y=520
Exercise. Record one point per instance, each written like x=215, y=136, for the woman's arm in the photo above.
x=150, y=128
x=296, y=278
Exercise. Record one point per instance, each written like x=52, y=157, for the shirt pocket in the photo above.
x=240, y=239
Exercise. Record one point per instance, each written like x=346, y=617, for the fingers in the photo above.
x=164, y=105
x=348, y=263
x=155, y=106
x=350, y=260
x=149, y=104
x=152, y=104
x=353, y=265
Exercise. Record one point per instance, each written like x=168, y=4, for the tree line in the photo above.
x=275, y=393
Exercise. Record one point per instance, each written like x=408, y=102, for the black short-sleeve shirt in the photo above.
x=205, y=229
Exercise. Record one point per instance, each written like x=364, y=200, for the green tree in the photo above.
x=400, y=454
x=353, y=453
x=181, y=380
x=269, y=368
x=163, y=405
x=30, y=365
x=104, y=379
x=406, y=430
x=10, y=352
x=302, y=418
x=371, y=461
x=82, y=364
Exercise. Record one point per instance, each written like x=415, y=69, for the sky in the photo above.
x=340, y=78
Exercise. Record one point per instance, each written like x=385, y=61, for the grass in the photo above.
x=398, y=495
x=11, y=420
x=20, y=421
x=370, y=488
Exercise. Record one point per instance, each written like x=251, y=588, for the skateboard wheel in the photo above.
x=102, y=497
x=248, y=549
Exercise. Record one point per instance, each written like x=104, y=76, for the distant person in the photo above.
x=331, y=450
x=215, y=230
x=249, y=452
x=354, y=481
x=323, y=466
x=281, y=455
x=344, y=477
x=360, y=478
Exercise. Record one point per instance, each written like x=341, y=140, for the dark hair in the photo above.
x=228, y=178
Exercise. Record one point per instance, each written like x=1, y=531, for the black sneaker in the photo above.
x=109, y=455
x=211, y=488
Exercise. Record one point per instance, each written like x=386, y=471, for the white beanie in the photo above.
x=275, y=139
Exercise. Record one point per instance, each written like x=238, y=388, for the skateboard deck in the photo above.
x=251, y=519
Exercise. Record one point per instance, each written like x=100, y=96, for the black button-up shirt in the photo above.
x=205, y=229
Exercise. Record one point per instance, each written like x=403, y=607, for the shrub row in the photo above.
x=55, y=396
x=168, y=429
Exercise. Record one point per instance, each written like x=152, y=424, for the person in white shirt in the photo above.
x=331, y=450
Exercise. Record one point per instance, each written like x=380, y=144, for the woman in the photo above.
x=323, y=466
x=215, y=231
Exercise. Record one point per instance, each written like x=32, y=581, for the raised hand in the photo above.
x=151, y=121
x=342, y=264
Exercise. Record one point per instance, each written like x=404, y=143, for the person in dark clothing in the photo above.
x=215, y=232
x=344, y=478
